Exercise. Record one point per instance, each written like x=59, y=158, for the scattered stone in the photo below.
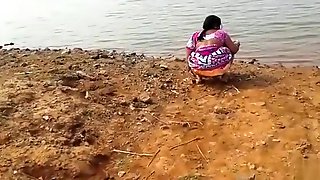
x=251, y=166
x=121, y=173
x=276, y=140
x=82, y=74
x=304, y=146
x=6, y=110
x=97, y=66
x=164, y=67
x=77, y=49
x=96, y=56
x=164, y=127
x=65, y=52
x=46, y=118
x=252, y=61
x=67, y=88
x=280, y=125
x=4, y=138
x=221, y=110
x=104, y=55
x=145, y=98
x=261, y=143
x=259, y=104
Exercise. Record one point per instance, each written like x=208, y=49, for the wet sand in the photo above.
x=106, y=115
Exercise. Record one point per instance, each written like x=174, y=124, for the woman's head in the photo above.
x=212, y=22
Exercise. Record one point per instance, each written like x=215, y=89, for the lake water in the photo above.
x=269, y=30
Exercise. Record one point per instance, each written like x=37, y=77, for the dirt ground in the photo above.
x=75, y=114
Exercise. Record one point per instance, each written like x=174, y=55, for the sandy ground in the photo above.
x=106, y=115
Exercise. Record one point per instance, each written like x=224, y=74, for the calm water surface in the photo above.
x=270, y=30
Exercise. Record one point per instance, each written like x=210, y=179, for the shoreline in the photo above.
x=68, y=114
x=288, y=62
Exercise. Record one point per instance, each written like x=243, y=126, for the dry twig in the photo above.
x=132, y=153
x=154, y=156
x=238, y=91
x=204, y=157
x=194, y=139
x=150, y=175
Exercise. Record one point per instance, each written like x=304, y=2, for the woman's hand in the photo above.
x=237, y=43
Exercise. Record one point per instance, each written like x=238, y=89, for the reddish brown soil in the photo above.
x=62, y=115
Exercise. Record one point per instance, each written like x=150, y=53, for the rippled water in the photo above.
x=270, y=30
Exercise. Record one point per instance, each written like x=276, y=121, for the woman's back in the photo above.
x=214, y=39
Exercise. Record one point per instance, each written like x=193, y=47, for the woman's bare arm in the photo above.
x=188, y=52
x=234, y=47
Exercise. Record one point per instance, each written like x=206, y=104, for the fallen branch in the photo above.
x=204, y=157
x=132, y=153
x=154, y=156
x=194, y=139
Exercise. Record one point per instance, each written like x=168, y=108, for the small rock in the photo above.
x=145, y=98
x=260, y=169
x=62, y=140
x=164, y=127
x=15, y=172
x=121, y=173
x=252, y=166
x=164, y=67
x=24, y=64
x=82, y=74
x=221, y=110
x=66, y=51
x=260, y=104
x=97, y=56
x=78, y=49
x=67, y=88
x=276, y=140
x=46, y=118
x=280, y=125
x=104, y=55
x=97, y=66
x=252, y=61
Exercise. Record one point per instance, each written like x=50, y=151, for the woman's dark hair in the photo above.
x=211, y=22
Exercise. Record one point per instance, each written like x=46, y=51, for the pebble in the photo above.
x=104, y=55
x=66, y=51
x=275, y=140
x=251, y=166
x=259, y=104
x=97, y=56
x=164, y=67
x=77, y=49
x=145, y=98
x=24, y=64
x=121, y=173
x=46, y=118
